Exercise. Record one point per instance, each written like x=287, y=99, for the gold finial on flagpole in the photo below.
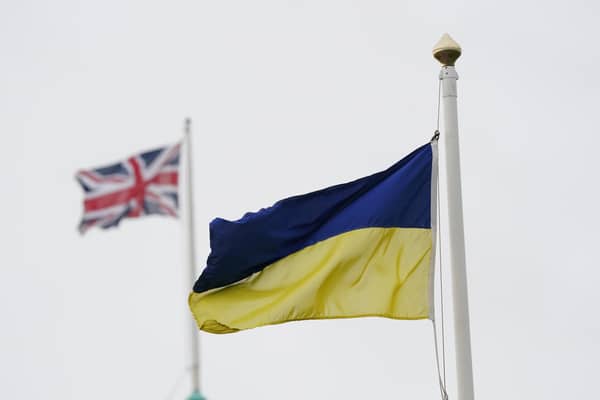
x=447, y=51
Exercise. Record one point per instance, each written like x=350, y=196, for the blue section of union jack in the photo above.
x=143, y=184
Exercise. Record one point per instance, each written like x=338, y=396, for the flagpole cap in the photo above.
x=447, y=51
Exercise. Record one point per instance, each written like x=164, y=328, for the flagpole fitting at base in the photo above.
x=196, y=396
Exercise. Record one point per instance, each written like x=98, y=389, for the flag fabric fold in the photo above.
x=363, y=248
x=143, y=184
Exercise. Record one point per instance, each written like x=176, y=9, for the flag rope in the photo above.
x=177, y=383
x=441, y=368
x=437, y=127
x=441, y=378
x=439, y=241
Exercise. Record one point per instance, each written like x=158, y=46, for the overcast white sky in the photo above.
x=288, y=97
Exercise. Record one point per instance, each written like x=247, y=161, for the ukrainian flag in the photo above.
x=363, y=248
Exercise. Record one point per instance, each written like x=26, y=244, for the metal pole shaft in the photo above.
x=191, y=253
x=462, y=333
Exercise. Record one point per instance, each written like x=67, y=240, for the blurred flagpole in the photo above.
x=190, y=248
x=447, y=51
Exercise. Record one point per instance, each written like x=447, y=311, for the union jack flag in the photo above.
x=143, y=184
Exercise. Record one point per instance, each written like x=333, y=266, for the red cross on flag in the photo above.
x=143, y=184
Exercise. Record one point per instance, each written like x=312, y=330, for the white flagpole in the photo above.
x=447, y=52
x=191, y=258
